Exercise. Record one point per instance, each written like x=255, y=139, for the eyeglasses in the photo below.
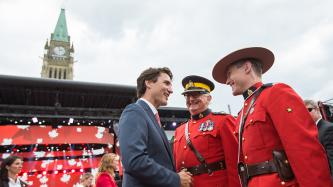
x=310, y=109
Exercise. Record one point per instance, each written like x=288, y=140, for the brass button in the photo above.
x=245, y=157
x=183, y=162
x=234, y=132
x=251, y=120
x=184, y=146
x=245, y=104
x=283, y=183
x=243, y=139
x=204, y=133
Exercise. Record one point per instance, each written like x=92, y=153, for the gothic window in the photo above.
x=59, y=74
x=55, y=72
x=50, y=73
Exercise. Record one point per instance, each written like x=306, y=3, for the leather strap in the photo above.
x=242, y=168
x=261, y=168
x=243, y=118
x=200, y=169
x=195, y=151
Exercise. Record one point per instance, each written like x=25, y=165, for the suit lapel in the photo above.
x=320, y=130
x=156, y=126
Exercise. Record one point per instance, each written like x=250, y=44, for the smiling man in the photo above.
x=145, y=150
x=277, y=137
x=205, y=145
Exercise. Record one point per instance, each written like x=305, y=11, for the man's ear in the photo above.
x=209, y=98
x=148, y=84
x=247, y=67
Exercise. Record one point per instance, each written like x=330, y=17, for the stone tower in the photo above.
x=58, y=52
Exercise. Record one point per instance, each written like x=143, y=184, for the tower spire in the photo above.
x=60, y=32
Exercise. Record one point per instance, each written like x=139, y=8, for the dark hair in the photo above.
x=150, y=74
x=7, y=162
x=256, y=64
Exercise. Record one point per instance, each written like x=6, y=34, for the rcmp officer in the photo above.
x=205, y=145
x=278, y=143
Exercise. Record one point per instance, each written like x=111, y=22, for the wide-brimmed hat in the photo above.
x=265, y=56
x=195, y=83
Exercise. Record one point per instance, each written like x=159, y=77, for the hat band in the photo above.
x=198, y=85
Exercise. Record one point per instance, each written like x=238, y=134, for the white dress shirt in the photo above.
x=151, y=106
x=13, y=183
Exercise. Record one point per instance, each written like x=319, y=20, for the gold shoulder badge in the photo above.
x=190, y=84
x=289, y=110
x=201, y=115
x=249, y=92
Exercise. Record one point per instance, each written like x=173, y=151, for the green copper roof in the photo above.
x=60, y=32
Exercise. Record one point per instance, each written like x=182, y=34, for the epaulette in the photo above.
x=219, y=113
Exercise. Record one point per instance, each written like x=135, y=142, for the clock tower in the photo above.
x=58, y=52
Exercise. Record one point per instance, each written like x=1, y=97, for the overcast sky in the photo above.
x=115, y=40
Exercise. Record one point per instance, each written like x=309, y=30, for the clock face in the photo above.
x=60, y=51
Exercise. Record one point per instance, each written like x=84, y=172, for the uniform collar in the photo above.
x=201, y=114
x=251, y=90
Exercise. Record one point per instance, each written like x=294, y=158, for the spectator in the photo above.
x=325, y=130
x=106, y=171
x=86, y=180
x=10, y=168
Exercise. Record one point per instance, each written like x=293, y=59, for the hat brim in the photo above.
x=195, y=90
x=260, y=53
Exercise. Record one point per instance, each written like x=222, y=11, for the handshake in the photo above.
x=185, y=178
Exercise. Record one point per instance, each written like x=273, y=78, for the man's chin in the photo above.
x=235, y=92
x=164, y=103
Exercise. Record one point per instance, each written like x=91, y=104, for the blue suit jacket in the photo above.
x=146, y=153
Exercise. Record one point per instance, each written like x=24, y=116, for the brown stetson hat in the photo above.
x=265, y=56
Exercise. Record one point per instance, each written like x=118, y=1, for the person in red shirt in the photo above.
x=105, y=175
x=211, y=134
x=277, y=137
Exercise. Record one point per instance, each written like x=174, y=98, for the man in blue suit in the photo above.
x=145, y=150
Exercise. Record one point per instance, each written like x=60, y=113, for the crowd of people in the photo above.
x=12, y=165
x=277, y=139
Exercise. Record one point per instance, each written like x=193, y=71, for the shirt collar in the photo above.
x=13, y=181
x=201, y=114
x=151, y=106
x=318, y=121
x=251, y=90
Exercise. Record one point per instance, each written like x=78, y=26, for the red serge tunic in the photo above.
x=280, y=121
x=105, y=180
x=216, y=144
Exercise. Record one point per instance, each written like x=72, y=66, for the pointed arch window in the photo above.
x=55, y=72
x=64, y=73
x=59, y=76
x=50, y=72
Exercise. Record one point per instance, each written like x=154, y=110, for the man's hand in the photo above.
x=185, y=178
